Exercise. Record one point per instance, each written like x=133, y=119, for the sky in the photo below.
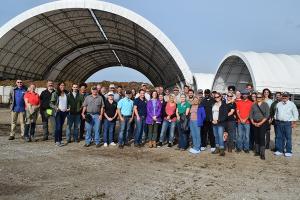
x=204, y=30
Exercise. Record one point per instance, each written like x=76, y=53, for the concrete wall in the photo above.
x=4, y=93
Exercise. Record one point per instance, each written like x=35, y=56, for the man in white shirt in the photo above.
x=286, y=116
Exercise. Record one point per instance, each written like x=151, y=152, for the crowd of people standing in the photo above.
x=236, y=120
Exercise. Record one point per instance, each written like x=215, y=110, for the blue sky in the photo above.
x=205, y=30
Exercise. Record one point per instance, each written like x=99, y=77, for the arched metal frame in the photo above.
x=75, y=38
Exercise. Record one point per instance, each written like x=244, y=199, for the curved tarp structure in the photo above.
x=278, y=72
x=72, y=39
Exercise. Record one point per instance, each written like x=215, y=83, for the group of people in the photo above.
x=239, y=120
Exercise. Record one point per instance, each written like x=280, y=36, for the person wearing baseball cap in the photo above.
x=112, y=89
x=286, y=116
x=125, y=112
x=92, y=112
x=243, y=109
x=110, y=116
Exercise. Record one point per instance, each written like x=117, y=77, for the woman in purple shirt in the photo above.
x=153, y=119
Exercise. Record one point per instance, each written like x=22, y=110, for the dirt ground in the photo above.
x=40, y=170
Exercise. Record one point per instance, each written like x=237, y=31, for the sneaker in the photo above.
x=277, y=153
x=159, y=144
x=169, y=145
x=59, y=144
x=246, y=151
x=11, y=138
x=203, y=148
x=212, y=149
x=112, y=144
x=194, y=151
x=27, y=139
x=62, y=144
x=288, y=154
x=121, y=146
x=105, y=145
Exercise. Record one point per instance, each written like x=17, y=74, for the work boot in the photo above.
x=262, y=153
x=222, y=152
x=11, y=137
x=150, y=144
x=154, y=144
x=256, y=150
x=229, y=148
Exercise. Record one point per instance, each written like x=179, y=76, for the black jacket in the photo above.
x=45, y=98
x=223, y=114
x=207, y=103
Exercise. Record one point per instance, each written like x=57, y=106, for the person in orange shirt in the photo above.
x=32, y=105
x=243, y=108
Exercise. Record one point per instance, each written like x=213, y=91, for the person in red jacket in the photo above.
x=32, y=105
x=243, y=108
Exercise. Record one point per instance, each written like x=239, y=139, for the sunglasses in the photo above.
x=229, y=96
x=258, y=97
x=217, y=97
x=19, y=82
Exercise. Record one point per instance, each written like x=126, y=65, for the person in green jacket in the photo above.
x=75, y=101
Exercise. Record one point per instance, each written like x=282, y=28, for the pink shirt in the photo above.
x=193, y=112
x=170, y=110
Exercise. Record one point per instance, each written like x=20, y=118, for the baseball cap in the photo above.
x=207, y=91
x=245, y=92
x=200, y=91
x=128, y=92
x=110, y=94
x=94, y=88
x=112, y=86
x=285, y=94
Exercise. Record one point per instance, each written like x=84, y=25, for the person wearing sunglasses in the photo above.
x=267, y=97
x=218, y=119
x=231, y=122
x=17, y=107
x=259, y=116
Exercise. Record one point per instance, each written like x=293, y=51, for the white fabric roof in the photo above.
x=278, y=72
x=57, y=40
x=204, y=81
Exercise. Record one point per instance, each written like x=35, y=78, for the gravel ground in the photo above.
x=40, y=170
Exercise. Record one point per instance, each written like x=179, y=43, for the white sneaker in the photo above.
x=277, y=153
x=288, y=154
x=105, y=144
x=112, y=144
x=193, y=151
x=203, y=148
x=212, y=149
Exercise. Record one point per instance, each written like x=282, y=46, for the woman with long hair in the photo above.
x=169, y=121
x=219, y=118
x=59, y=104
x=267, y=97
x=259, y=115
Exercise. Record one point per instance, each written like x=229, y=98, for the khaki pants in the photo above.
x=14, y=118
x=31, y=118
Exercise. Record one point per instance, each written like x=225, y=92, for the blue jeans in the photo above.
x=124, y=131
x=93, y=126
x=196, y=134
x=166, y=124
x=73, y=120
x=183, y=137
x=219, y=133
x=140, y=129
x=109, y=127
x=284, y=136
x=59, y=122
x=243, y=136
